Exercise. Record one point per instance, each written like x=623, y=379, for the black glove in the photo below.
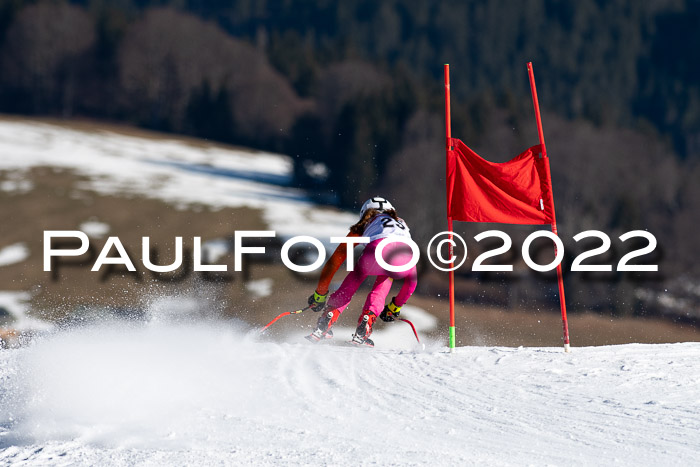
x=391, y=312
x=317, y=302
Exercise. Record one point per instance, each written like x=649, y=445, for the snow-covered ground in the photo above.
x=13, y=254
x=210, y=394
x=94, y=229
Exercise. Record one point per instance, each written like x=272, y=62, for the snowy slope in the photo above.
x=170, y=170
x=208, y=394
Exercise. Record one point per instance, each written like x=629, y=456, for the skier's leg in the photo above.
x=337, y=302
x=340, y=299
x=364, y=329
x=323, y=325
x=401, y=254
x=377, y=296
x=396, y=254
x=366, y=266
x=375, y=299
x=410, y=281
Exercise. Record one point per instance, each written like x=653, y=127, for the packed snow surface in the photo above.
x=163, y=393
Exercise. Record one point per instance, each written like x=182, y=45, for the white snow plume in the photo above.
x=176, y=394
x=187, y=308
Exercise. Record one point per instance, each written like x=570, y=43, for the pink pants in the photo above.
x=396, y=254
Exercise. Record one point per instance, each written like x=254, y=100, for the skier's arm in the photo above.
x=332, y=265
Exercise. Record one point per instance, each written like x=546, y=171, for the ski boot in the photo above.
x=364, y=329
x=323, y=326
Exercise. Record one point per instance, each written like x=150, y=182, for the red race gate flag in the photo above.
x=513, y=192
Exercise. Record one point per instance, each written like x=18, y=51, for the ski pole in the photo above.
x=285, y=314
x=412, y=327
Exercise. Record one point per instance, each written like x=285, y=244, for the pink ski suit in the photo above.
x=395, y=253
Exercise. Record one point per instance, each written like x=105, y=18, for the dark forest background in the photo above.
x=357, y=86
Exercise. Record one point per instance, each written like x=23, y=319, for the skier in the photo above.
x=378, y=220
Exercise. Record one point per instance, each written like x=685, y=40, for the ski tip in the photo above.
x=311, y=338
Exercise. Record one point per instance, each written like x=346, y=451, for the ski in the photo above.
x=315, y=337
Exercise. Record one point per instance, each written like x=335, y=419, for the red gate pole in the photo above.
x=560, y=278
x=448, y=147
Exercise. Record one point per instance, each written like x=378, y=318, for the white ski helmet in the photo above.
x=378, y=203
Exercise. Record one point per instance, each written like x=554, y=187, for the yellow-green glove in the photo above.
x=317, y=302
